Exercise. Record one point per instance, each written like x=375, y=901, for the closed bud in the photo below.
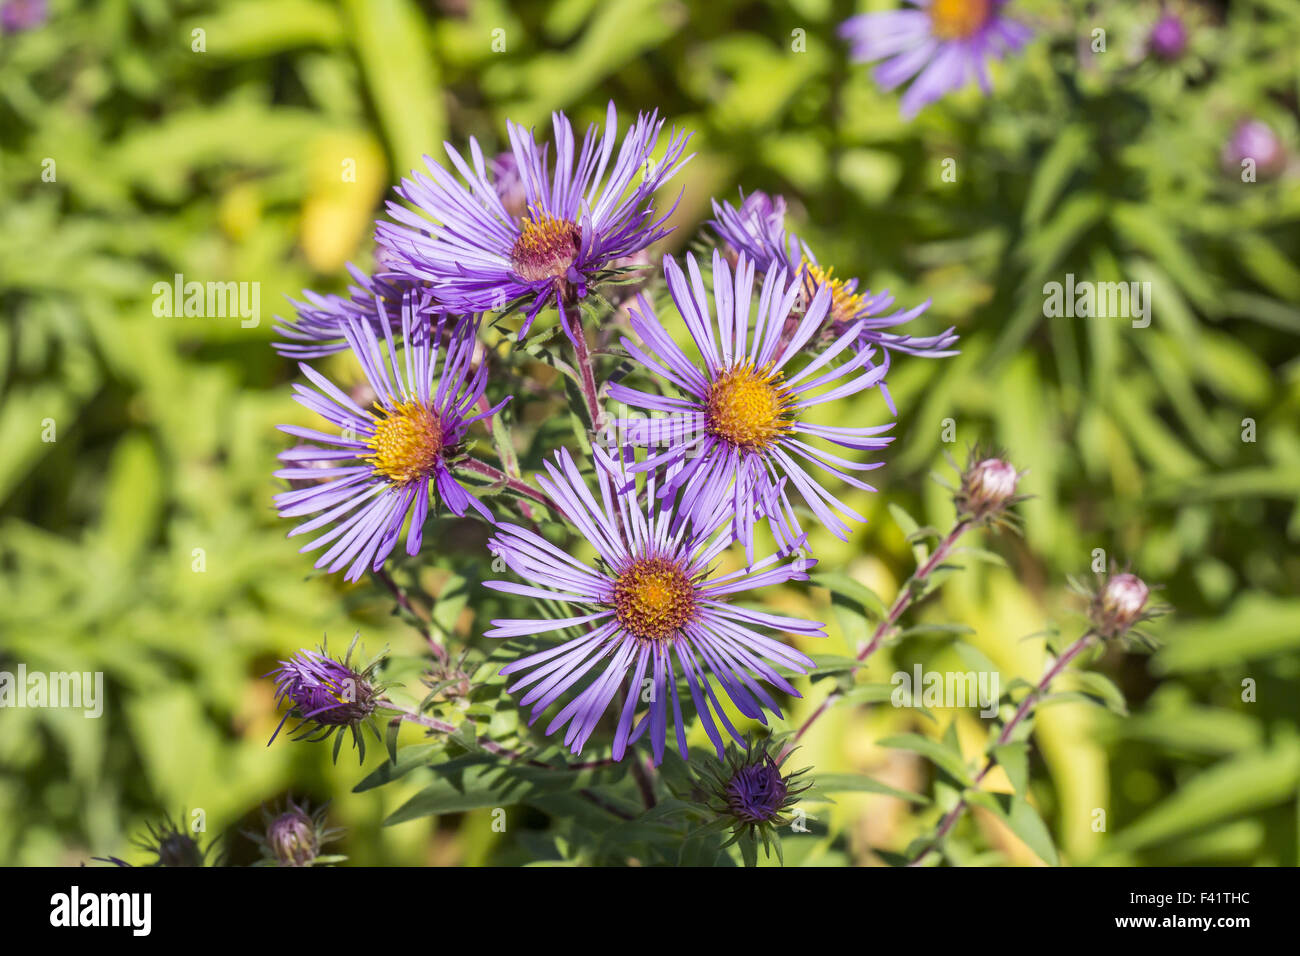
x=292, y=838
x=1119, y=604
x=1168, y=39
x=987, y=488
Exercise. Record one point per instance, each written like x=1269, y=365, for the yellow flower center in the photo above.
x=959, y=19
x=546, y=247
x=746, y=406
x=844, y=303
x=654, y=598
x=406, y=443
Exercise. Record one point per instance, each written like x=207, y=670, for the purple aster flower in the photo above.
x=757, y=230
x=327, y=696
x=318, y=329
x=509, y=185
x=737, y=432
x=649, y=609
x=19, y=15
x=1254, y=140
x=1168, y=39
x=946, y=42
x=580, y=217
x=385, y=465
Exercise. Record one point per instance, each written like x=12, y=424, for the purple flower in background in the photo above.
x=757, y=230
x=736, y=435
x=1168, y=39
x=1254, y=140
x=580, y=217
x=386, y=464
x=649, y=609
x=943, y=43
x=509, y=185
x=318, y=329
x=19, y=15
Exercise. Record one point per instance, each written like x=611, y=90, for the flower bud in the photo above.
x=756, y=792
x=19, y=15
x=987, y=488
x=1119, y=604
x=1254, y=140
x=1168, y=39
x=326, y=696
x=292, y=838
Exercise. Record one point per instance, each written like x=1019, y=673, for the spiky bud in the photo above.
x=1119, y=604
x=327, y=695
x=988, y=488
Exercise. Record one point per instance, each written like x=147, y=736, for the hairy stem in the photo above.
x=496, y=475
x=583, y=355
x=951, y=817
x=422, y=620
x=906, y=596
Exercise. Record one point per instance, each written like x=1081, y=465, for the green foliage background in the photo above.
x=225, y=165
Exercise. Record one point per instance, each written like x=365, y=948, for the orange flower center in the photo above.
x=959, y=19
x=546, y=247
x=406, y=443
x=654, y=598
x=747, y=406
x=844, y=303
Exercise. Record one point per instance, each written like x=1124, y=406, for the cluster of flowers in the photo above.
x=520, y=234
x=775, y=335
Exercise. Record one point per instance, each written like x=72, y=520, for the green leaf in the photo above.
x=473, y=782
x=1014, y=759
x=940, y=754
x=844, y=782
x=1022, y=819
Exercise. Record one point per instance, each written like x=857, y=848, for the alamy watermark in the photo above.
x=65, y=689
x=1103, y=300
x=211, y=300
x=946, y=689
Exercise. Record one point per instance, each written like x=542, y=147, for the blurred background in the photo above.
x=144, y=138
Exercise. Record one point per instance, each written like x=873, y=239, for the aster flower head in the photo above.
x=293, y=836
x=589, y=210
x=942, y=43
x=737, y=434
x=327, y=696
x=650, y=613
x=395, y=462
x=757, y=231
x=752, y=794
